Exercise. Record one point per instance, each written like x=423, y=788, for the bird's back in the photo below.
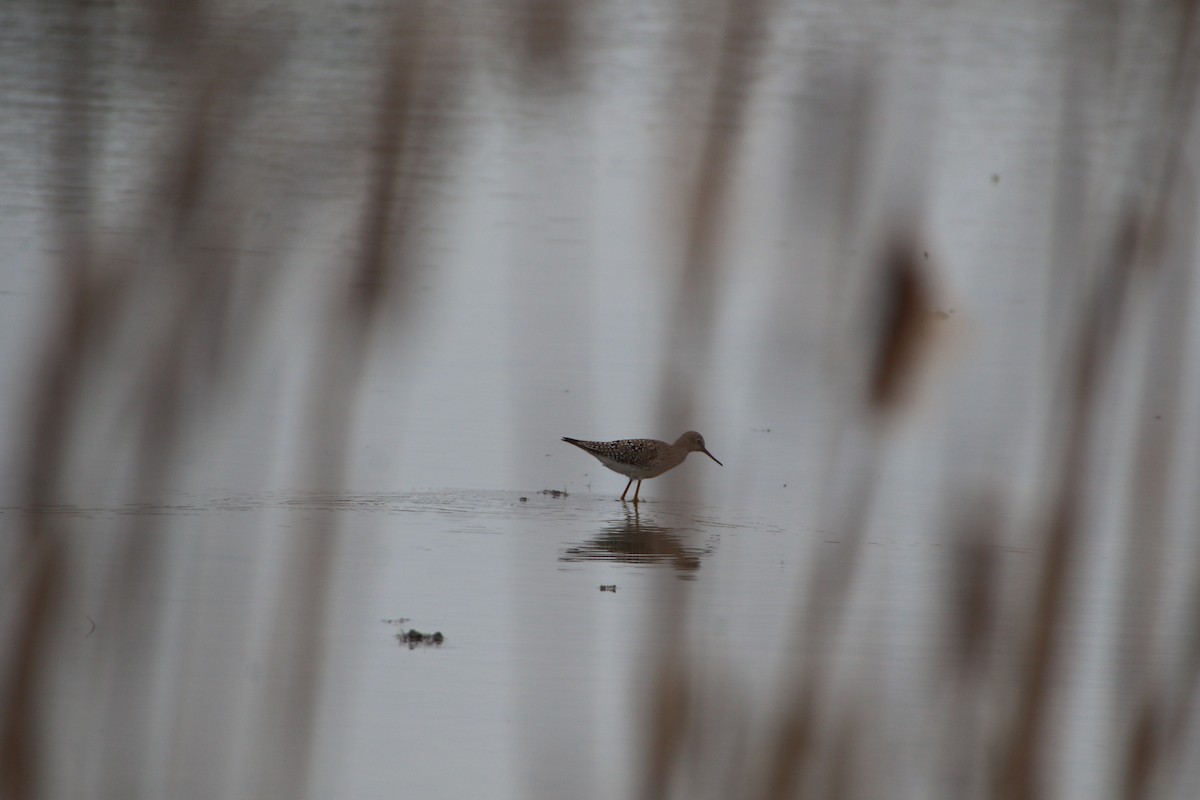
x=634, y=458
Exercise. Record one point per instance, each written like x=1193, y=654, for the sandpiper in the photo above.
x=639, y=459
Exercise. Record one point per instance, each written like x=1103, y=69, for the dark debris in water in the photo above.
x=413, y=637
x=612, y=587
x=554, y=492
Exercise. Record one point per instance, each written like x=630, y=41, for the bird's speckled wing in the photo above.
x=633, y=452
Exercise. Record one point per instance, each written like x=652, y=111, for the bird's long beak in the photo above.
x=710, y=455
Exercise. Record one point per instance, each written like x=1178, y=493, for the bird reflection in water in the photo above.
x=635, y=541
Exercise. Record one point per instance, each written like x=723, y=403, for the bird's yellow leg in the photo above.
x=636, y=491
x=627, y=489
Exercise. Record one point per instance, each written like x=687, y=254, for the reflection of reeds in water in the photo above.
x=1121, y=286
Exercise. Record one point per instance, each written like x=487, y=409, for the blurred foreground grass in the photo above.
x=163, y=325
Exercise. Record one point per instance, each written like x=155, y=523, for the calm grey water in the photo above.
x=537, y=658
x=539, y=303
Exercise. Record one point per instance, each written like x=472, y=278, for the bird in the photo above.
x=639, y=459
